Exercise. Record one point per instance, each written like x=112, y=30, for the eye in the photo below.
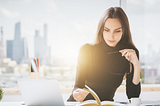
x=106, y=30
x=118, y=31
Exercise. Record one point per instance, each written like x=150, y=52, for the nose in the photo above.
x=112, y=35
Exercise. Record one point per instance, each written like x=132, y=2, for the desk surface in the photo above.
x=144, y=87
x=22, y=103
x=143, y=103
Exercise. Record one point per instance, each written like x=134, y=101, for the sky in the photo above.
x=72, y=23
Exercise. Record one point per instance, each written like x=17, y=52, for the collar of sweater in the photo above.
x=109, y=49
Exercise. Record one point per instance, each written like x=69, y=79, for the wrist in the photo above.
x=137, y=65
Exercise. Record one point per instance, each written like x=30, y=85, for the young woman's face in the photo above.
x=112, y=32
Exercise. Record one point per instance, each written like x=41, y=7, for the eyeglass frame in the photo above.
x=125, y=72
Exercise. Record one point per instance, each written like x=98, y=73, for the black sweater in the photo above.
x=103, y=71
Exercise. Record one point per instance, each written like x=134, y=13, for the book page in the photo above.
x=97, y=101
x=88, y=103
x=110, y=103
x=93, y=94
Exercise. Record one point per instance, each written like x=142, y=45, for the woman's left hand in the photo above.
x=130, y=55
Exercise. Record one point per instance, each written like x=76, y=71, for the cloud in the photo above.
x=9, y=14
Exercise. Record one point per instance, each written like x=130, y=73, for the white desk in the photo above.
x=20, y=103
x=148, y=98
x=144, y=103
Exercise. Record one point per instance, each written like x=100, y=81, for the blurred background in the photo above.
x=54, y=30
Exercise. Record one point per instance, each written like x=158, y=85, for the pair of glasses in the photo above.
x=130, y=65
x=125, y=72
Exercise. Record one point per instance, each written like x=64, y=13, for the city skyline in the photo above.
x=70, y=26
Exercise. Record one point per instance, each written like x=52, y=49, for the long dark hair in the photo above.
x=115, y=12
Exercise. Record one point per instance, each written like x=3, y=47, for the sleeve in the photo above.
x=132, y=90
x=81, y=69
x=82, y=65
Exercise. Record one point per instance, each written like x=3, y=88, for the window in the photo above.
x=50, y=30
x=144, y=18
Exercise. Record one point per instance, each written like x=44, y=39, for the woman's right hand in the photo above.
x=80, y=94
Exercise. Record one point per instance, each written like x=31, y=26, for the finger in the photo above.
x=127, y=56
x=86, y=92
x=78, y=93
x=126, y=50
x=80, y=98
x=77, y=98
x=122, y=50
x=78, y=90
x=82, y=95
x=124, y=53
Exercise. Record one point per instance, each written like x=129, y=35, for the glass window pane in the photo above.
x=144, y=18
x=49, y=29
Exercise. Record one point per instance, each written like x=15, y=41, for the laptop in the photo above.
x=39, y=92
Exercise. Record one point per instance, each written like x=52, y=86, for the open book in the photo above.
x=97, y=101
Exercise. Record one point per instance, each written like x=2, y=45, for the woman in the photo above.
x=103, y=66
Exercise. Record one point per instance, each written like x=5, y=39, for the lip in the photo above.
x=111, y=41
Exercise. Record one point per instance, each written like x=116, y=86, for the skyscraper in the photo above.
x=41, y=49
x=17, y=44
x=17, y=49
x=10, y=49
x=24, y=48
x=1, y=45
x=39, y=45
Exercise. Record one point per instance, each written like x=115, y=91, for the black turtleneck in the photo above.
x=103, y=71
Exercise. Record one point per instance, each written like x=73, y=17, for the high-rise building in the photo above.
x=39, y=45
x=25, y=58
x=17, y=49
x=17, y=44
x=1, y=45
x=10, y=49
x=24, y=48
x=41, y=49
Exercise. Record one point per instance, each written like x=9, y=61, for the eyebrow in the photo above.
x=115, y=29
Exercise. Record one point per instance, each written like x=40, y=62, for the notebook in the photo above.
x=40, y=92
